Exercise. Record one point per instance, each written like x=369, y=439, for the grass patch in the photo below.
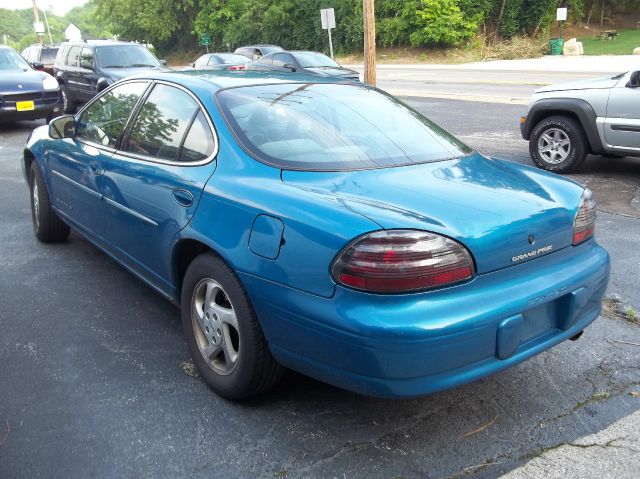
x=624, y=44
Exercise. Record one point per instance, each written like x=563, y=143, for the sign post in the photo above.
x=561, y=16
x=328, y=18
x=205, y=40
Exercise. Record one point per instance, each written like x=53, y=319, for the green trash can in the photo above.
x=555, y=45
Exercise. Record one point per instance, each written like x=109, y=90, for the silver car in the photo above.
x=568, y=121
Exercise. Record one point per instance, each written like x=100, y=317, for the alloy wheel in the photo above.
x=215, y=326
x=554, y=146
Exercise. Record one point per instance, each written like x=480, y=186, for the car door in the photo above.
x=73, y=79
x=87, y=76
x=154, y=181
x=622, y=125
x=77, y=165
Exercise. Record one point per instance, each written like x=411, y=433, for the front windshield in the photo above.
x=125, y=56
x=311, y=59
x=11, y=60
x=332, y=127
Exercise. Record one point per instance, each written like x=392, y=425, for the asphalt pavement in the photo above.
x=96, y=379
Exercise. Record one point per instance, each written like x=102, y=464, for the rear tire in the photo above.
x=558, y=144
x=47, y=225
x=68, y=106
x=223, y=333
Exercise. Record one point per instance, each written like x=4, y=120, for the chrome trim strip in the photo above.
x=75, y=183
x=129, y=211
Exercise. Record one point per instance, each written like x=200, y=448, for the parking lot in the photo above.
x=96, y=379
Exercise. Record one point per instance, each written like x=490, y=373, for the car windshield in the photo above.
x=231, y=58
x=312, y=59
x=11, y=60
x=266, y=50
x=49, y=55
x=125, y=56
x=330, y=127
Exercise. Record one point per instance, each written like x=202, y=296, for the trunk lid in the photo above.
x=503, y=212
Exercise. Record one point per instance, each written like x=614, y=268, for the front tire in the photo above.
x=224, y=337
x=47, y=225
x=558, y=144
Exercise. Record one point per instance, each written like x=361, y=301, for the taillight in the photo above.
x=585, y=221
x=236, y=67
x=398, y=261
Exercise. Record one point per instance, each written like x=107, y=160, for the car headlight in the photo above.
x=49, y=83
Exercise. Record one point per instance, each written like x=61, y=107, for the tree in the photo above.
x=441, y=22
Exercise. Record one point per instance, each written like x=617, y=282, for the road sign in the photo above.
x=205, y=39
x=72, y=33
x=38, y=27
x=328, y=17
x=561, y=14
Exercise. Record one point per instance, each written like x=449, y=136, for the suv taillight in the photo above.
x=585, y=221
x=399, y=261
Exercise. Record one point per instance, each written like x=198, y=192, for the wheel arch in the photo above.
x=183, y=254
x=102, y=84
x=579, y=110
x=28, y=158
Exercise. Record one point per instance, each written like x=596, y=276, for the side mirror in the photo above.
x=62, y=127
x=163, y=63
x=85, y=64
x=38, y=66
x=634, y=80
x=289, y=66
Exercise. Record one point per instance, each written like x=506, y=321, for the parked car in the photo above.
x=220, y=61
x=320, y=226
x=44, y=55
x=253, y=52
x=568, y=121
x=25, y=94
x=303, y=62
x=84, y=68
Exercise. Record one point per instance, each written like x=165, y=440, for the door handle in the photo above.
x=183, y=197
x=95, y=169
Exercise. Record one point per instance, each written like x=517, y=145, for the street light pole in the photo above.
x=46, y=21
x=369, y=42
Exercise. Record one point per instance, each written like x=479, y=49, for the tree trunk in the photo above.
x=602, y=14
x=502, y=7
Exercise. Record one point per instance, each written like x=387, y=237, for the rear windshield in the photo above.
x=49, y=55
x=330, y=127
x=312, y=59
x=125, y=56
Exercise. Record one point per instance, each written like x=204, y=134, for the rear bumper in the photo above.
x=411, y=345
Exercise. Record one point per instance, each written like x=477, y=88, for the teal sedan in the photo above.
x=320, y=226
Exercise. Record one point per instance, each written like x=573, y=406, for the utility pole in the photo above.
x=36, y=19
x=369, y=42
x=46, y=21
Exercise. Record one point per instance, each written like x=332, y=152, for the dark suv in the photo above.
x=44, y=54
x=84, y=68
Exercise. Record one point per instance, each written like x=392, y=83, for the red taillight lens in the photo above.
x=585, y=223
x=398, y=261
x=236, y=67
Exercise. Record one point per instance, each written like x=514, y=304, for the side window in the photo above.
x=281, y=59
x=160, y=126
x=199, y=142
x=73, y=56
x=265, y=61
x=104, y=121
x=86, y=56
